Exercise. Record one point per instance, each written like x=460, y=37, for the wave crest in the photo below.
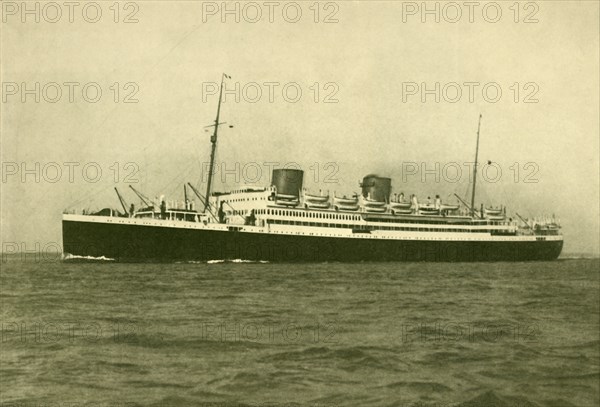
x=68, y=256
x=236, y=261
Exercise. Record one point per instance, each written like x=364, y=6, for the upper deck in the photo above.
x=261, y=207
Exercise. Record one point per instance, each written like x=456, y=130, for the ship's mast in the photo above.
x=213, y=140
x=475, y=171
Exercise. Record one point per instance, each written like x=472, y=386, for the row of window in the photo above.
x=364, y=227
x=245, y=191
x=342, y=216
x=306, y=214
x=262, y=198
x=435, y=222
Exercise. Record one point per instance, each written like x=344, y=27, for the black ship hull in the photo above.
x=139, y=243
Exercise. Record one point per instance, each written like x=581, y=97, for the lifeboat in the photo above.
x=316, y=198
x=428, y=213
x=287, y=202
x=348, y=208
x=445, y=207
x=316, y=205
x=400, y=205
x=495, y=217
x=345, y=201
x=371, y=203
x=375, y=209
x=286, y=197
x=493, y=211
x=401, y=211
x=428, y=209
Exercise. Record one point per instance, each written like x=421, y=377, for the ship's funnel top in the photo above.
x=288, y=181
x=376, y=187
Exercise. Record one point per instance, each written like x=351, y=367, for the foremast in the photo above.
x=213, y=141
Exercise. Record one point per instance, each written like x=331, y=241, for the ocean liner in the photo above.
x=284, y=222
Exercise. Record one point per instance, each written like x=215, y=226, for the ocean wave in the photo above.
x=491, y=399
x=68, y=256
x=584, y=256
x=236, y=261
x=346, y=358
x=221, y=261
x=422, y=387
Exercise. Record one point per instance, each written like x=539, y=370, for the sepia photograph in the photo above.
x=300, y=203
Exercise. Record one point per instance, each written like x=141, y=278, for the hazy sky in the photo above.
x=372, y=59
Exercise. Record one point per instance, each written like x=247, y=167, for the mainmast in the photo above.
x=213, y=140
x=475, y=171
